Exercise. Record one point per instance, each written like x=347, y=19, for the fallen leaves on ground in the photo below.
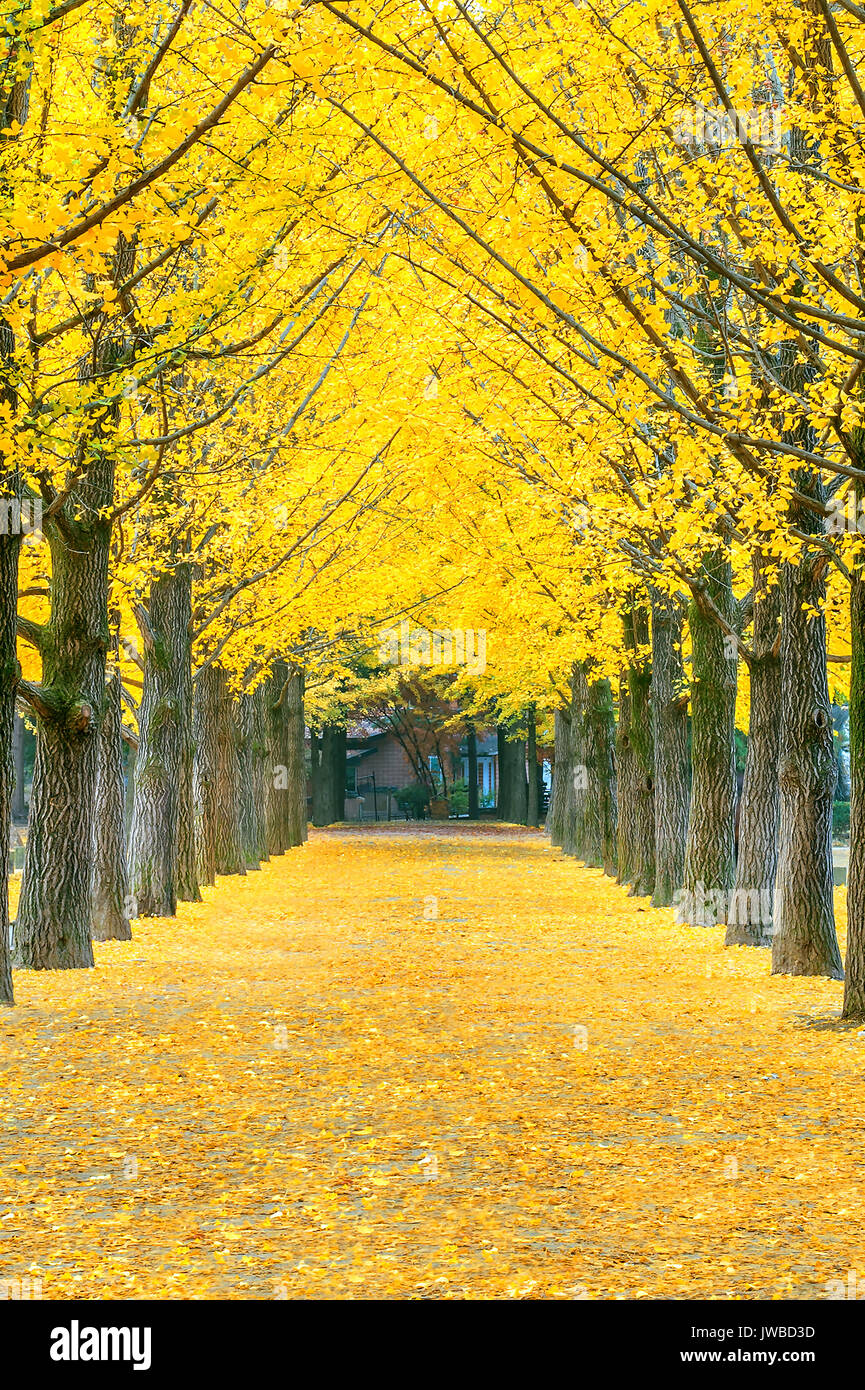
x=311, y=1085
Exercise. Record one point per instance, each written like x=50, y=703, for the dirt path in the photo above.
x=419, y=1064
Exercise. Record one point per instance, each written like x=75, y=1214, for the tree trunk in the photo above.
x=278, y=839
x=9, y=547
x=505, y=752
x=578, y=806
x=296, y=764
x=262, y=763
x=472, y=751
x=513, y=788
x=252, y=835
x=599, y=830
x=640, y=685
x=854, y=975
x=19, y=805
x=635, y=762
x=710, y=855
x=129, y=792
x=335, y=758
x=532, y=798
x=804, y=942
x=316, y=778
x=328, y=777
x=163, y=721
x=670, y=739
x=229, y=855
x=627, y=774
x=749, y=918
x=562, y=775
x=206, y=771
x=111, y=905
x=187, y=854
x=53, y=927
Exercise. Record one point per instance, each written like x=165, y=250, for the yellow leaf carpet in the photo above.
x=431, y=1063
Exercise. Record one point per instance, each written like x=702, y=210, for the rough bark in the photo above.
x=187, y=855
x=206, y=771
x=710, y=855
x=19, y=805
x=9, y=547
x=328, y=776
x=532, y=797
x=805, y=942
x=504, y=751
x=296, y=761
x=472, y=751
x=54, y=910
x=53, y=927
x=163, y=730
x=513, y=787
x=229, y=854
x=600, y=820
x=111, y=902
x=749, y=917
x=263, y=781
x=627, y=773
x=129, y=792
x=672, y=756
x=576, y=834
x=278, y=835
x=252, y=831
x=562, y=775
x=640, y=685
x=854, y=972
x=316, y=778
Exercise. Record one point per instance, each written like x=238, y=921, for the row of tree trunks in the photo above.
x=249, y=772
x=185, y=824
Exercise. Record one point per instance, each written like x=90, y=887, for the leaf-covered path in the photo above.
x=428, y=1062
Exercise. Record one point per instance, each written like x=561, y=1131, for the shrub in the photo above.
x=414, y=799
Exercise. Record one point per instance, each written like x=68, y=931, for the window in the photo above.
x=351, y=780
x=434, y=764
